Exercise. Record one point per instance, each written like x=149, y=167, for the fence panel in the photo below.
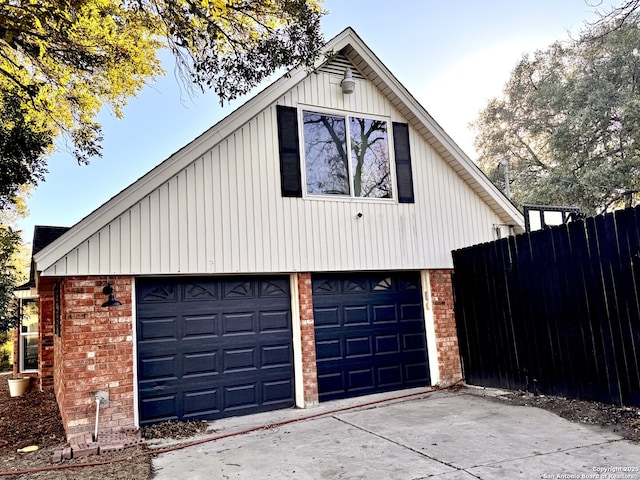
x=555, y=311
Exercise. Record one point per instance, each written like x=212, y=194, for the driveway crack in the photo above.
x=422, y=454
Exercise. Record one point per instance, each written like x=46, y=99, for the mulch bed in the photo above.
x=34, y=419
x=625, y=421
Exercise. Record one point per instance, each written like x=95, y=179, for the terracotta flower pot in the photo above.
x=18, y=386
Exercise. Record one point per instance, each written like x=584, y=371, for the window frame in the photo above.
x=23, y=335
x=346, y=114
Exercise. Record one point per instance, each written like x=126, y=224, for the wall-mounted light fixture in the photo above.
x=111, y=301
x=348, y=84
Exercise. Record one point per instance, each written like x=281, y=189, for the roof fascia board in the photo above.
x=436, y=130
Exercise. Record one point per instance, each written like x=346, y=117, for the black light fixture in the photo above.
x=111, y=302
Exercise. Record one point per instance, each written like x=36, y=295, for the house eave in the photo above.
x=348, y=43
x=427, y=127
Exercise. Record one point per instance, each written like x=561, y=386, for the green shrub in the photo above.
x=6, y=352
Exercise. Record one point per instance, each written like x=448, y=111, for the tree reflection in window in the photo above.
x=330, y=171
x=370, y=158
x=325, y=148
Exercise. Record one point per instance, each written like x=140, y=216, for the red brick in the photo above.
x=56, y=457
x=307, y=333
x=116, y=447
x=445, y=327
x=85, y=449
x=87, y=328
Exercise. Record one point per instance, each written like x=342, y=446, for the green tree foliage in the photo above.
x=232, y=45
x=9, y=278
x=568, y=122
x=64, y=60
x=613, y=18
x=14, y=261
x=61, y=62
x=22, y=147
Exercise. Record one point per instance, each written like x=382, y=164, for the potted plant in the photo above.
x=18, y=385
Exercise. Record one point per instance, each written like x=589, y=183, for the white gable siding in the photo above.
x=224, y=213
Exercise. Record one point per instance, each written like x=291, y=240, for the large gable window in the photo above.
x=346, y=155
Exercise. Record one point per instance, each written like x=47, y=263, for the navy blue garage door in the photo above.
x=213, y=347
x=370, y=334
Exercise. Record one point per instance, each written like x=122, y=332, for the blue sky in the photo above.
x=452, y=55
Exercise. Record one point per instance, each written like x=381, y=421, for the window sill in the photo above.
x=346, y=199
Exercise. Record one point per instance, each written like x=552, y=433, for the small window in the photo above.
x=346, y=155
x=29, y=335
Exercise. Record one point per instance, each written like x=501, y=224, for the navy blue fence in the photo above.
x=554, y=311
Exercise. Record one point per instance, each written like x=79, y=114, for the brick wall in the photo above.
x=445, y=326
x=46, y=349
x=94, y=352
x=307, y=333
x=95, y=349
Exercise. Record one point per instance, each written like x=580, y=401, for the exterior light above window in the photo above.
x=348, y=84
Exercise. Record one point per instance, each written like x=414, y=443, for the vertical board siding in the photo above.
x=93, y=251
x=556, y=311
x=156, y=242
x=224, y=212
x=145, y=236
x=125, y=247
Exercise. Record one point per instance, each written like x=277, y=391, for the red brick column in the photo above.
x=308, y=337
x=58, y=352
x=94, y=353
x=445, y=326
x=46, y=337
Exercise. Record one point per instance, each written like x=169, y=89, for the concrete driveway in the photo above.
x=440, y=435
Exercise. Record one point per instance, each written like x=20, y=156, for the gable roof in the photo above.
x=42, y=236
x=351, y=46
